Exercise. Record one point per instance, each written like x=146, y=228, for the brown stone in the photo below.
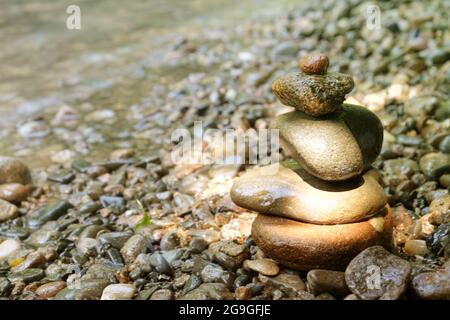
x=416, y=248
x=293, y=193
x=285, y=281
x=7, y=211
x=314, y=64
x=305, y=246
x=264, y=266
x=313, y=94
x=375, y=274
x=33, y=260
x=14, y=192
x=50, y=289
x=440, y=210
x=243, y=293
x=322, y=281
x=338, y=146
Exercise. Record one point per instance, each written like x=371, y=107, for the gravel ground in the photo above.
x=131, y=224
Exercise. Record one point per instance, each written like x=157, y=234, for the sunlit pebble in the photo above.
x=245, y=56
x=375, y=101
x=63, y=156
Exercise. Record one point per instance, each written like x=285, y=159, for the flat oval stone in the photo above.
x=305, y=246
x=50, y=289
x=14, y=192
x=313, y=94
x=335, y=147
x=314, y=64
x=264, y=266
x=293, y=193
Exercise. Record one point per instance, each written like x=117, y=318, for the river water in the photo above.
x=121, y=50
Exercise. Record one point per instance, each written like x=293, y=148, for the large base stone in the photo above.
x=305, y=246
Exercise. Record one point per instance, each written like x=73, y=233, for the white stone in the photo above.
x=118, y=292
x=8, y=249
x=101, y=115
x=63, y=156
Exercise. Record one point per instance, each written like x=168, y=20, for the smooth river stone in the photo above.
x=313, y=94
x=295, y=194
x=335, y=147
x=305, y=246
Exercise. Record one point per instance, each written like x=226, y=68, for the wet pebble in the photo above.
x=91, y=289
x=118, y=292
x=134, y=246
x=243, y=293
x=169, y=241
x=266, y=267
x=115, y=239
x=160, y=264
x=444, y=180
x=14, y=192
x=400, y=167
x=416, y=247
x=215, y=273
x=51, y=289
x=87, y=246
x=51, y=211
x=285, y=280
x=33, y=260
x=197, y=245
x=47, y=234
x=435, y=164
x=440, y=210
x=7, y=211
x=5, y=287
x=100, y=271
x=228, y=254
x=142, y=262
x=377, y=274
x=192, y=283
x=65, y=177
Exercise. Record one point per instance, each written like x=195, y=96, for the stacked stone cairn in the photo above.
x=324, y=205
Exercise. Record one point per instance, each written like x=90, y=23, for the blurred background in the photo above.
x=135, y=71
